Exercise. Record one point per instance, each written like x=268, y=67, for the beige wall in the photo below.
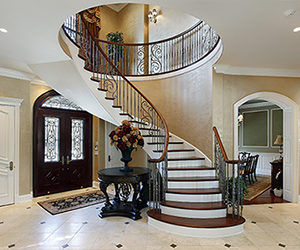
x=185, y=102
x=228, y=89
x=169, y=23
x=109, y=21
x=20, y=89
x=131, y=22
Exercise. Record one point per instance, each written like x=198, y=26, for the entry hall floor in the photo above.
x=28, y=226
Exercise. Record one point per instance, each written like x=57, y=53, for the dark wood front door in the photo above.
x=62, y=151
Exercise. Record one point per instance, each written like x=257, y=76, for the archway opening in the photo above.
x=290, y=136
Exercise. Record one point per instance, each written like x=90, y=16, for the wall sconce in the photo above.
x=240, y=119
x=279, y=141
x=152, y=15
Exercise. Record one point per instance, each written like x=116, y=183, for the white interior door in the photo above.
x=113, y=155
x=6, y=155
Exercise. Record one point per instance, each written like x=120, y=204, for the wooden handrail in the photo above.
x=223, y=149
x=140, y=93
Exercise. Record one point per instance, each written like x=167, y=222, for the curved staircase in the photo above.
x=187, y=198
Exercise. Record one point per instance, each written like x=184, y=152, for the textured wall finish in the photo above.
x=169, y=23
x=8, y=87
x=185, y=102
x=228, y=89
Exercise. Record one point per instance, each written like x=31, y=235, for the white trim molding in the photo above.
x=16, y=74
x=247, y=71
x=23, y=198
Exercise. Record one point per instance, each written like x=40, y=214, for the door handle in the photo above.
x=68, y=160
x=11, y=166
x=109, y=158
x=63, y=160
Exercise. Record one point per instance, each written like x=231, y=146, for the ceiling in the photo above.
x=257, y=37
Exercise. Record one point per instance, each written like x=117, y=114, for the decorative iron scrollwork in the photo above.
x=155, y=64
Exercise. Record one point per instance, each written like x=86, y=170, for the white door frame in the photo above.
x=16, y=103
x=290, y=136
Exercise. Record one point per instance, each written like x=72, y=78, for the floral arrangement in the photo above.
x=126, y=137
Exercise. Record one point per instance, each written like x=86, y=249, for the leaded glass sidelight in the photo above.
x=51, y=139
x=77, y=139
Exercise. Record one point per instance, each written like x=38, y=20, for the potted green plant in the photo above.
x=244, y=187
x=115, y=51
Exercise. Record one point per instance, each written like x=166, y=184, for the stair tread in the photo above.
x=154, y=143
x=198, y=223
x=194, y=190
x=176, y=150
x=194, y=178
x=186, y=159
x=195, y=205
x=202, y=167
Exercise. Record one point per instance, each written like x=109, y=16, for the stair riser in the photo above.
x=185, y=163
x=196, y=232
x=190, y=213
x=191, y=173
x=181, y=154
x=175, y=146
x=193, y=184
x=193, y=197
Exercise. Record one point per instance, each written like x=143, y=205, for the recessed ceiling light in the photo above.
x=3, y=30
x=297, y=29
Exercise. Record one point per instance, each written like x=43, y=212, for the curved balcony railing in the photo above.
x=165, y=56
x=125, y=96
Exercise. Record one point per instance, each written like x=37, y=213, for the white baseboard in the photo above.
x=23, y=198
x=96, y=184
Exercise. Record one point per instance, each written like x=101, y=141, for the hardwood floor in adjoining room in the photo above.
x=266, y=197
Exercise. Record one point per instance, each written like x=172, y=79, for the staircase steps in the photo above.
x=195, y=205
x=203, y=167
x=187, y=159
x=116, y=106
x=197, y=223
x=194, y=191
x=176, y=150
x=193, y=178
x=126, y=114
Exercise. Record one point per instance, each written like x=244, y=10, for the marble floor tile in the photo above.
x=28, y=226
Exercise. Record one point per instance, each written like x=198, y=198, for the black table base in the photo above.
x=124, y=183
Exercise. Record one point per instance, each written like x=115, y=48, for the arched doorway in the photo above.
x=62, y=137
x=290, y=137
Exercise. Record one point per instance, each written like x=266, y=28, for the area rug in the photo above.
x=64, y=204
x=263, y=183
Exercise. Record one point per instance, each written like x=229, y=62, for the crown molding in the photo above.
x=16, y=74
x=230, y=70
